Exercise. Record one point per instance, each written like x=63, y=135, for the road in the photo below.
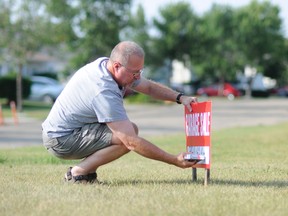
x=154, y=120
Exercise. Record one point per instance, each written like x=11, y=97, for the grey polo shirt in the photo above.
x=91, y=95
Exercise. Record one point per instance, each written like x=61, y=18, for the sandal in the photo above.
x=89, y=178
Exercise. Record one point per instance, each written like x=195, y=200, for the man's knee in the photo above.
x=125, y=149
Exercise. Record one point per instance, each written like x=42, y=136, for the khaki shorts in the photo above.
x=81, y=143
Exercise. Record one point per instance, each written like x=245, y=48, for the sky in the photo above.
x=201, y=6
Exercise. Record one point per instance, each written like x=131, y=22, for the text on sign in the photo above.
x=198, y=124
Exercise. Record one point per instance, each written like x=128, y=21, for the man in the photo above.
x=88, y=120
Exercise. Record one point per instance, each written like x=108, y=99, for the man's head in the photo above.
x=126, y=62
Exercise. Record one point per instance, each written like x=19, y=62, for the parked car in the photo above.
x=282, y=91
x=45, y=89
x=226, y=90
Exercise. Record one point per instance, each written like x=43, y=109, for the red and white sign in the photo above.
x=198, y=133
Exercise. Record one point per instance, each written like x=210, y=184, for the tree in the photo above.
x=260, y=38
x=177, y=35
x=137, y=29
x=208, y=41
x=96, y=25
x=233, y=38
x=221, y=57
x=24, y=30
x=177, y=29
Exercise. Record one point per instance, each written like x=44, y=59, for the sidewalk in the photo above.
x=154, y=120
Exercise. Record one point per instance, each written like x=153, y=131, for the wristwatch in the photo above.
x=178, y=98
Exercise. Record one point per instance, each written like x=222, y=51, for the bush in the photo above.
x=47, y=74
x=8, y=87
x=141, y=98
x=259, y=93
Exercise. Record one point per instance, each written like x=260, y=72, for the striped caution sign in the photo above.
x=198, y=133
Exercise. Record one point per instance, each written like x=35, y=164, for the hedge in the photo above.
x=8, y=87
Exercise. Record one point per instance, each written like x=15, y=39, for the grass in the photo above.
x=249, y=175
x=33, y=109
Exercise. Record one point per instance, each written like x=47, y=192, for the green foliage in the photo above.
x=8, y=87
x=137, y=30
x=236, y=37
x=260, y=38
x=178, y=32
x=224, y=40
x=96, y=26
x=223, y=58
x=25, y=30
x=25, y=25
x=219, y=43
x=47, y=74
x=140, y=98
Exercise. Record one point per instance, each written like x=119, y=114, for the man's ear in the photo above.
x=116, y=65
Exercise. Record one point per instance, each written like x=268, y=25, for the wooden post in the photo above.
x=14, y=112
x=206, y=177
x=194, y=174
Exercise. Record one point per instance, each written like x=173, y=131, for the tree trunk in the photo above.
x=19, y=89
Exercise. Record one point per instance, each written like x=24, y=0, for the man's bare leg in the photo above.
x=101, y=157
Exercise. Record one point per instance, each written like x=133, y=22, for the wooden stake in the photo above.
x=206, y=176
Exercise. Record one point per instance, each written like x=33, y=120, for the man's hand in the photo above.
x=187, y=100
x=182, y=163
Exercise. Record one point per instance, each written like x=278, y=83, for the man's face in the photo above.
x=127, y=74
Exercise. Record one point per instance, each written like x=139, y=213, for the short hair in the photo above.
x=123, y=50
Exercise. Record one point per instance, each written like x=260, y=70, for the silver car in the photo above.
x=45, y=89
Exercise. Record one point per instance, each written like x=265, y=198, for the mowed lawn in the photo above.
x=249, y=176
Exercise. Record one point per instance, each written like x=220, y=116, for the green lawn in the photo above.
x=249, y=176
x=33, y=109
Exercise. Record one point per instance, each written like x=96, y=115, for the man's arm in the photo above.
x=124, y=131
x=162, y=92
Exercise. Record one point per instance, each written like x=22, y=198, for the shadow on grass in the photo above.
x=151, y=182
x=276, y=183
x=241, y=183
